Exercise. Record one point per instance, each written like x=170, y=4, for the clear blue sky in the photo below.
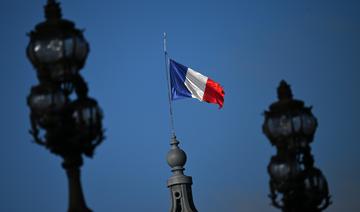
x=247, y=46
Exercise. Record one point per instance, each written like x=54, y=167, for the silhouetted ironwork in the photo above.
x=63, y=117
x=179, y=184
x=296, y=185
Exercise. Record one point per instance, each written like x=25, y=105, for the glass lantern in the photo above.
x=288, y=123
x=45, y=101
x=316, y=191
x=57, y=49
x=283, y=172
x=87, y=118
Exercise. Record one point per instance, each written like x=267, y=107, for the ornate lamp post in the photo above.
x=68, y=125
x=296, y=185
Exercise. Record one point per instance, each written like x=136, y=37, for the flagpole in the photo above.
x=168, y=88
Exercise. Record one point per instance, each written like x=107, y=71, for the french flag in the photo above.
x=187, y=83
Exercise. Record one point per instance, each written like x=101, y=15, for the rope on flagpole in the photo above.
x=168, y=88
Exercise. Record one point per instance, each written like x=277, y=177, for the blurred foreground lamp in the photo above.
x=68, y=125
x=291, y=126
x=57, y=49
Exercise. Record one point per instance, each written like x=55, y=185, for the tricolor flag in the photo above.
x=187, y=83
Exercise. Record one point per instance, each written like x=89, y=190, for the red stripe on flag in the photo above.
x=214, y=93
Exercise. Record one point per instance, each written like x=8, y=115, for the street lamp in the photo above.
x=295, y=184
x=68, y=125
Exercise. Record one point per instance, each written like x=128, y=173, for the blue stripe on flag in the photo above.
x=177, y=81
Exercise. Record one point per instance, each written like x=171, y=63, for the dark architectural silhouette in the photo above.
x=296, y=185
x=64, y=119
x=179, y=184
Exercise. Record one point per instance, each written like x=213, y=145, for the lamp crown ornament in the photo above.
x=284, y=91
x=52, y=11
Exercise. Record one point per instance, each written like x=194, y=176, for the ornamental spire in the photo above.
x=179, y=184
x=284, y=91
x=52, y=10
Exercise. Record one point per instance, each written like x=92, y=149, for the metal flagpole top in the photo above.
x=165, y=48
x=168, y=87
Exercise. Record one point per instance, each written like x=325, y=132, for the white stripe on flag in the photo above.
x=195, y=83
